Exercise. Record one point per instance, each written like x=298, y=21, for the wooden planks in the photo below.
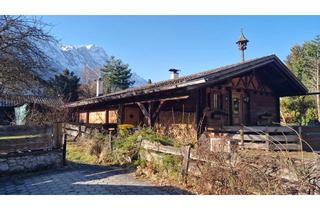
x=160, y=148
x=262, y=137
x=311, y=138
x=42, y=142
x=23, y=130
x=76, y=130
x=257, y=129
x=19, y=139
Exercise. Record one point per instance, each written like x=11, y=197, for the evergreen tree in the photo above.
x=116, y=75
x=304, y=61
x=66, y=85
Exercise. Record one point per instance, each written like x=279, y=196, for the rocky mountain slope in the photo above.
x=77, y=58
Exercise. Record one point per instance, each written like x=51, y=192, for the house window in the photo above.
x=113, y=116
x=83, y=117
x=97, y=117
x=216, y=101
x=236, y=105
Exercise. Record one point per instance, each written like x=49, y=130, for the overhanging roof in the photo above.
x=18, y=100
x=271, y=67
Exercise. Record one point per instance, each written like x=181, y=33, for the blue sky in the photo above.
x=153, y=44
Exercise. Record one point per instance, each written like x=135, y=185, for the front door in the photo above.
x=239, y=108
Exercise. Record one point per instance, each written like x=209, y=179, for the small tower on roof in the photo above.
x=242, y=44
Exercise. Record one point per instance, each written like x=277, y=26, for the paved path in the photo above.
x=82, y=180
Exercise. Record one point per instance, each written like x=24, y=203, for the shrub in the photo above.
x=151, y=135
x=171, y=164
x=123, y=129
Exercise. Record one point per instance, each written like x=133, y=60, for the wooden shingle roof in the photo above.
x=213, y=75
x=7, y=100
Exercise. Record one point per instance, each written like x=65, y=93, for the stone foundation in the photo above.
x=31, y=161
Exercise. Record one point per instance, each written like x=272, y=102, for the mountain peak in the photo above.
x=78, y=57
x=67, y=47
x=89, y=46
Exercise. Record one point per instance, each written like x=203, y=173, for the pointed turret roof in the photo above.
x=242, y=38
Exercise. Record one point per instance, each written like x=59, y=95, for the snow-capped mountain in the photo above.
x=76, y=58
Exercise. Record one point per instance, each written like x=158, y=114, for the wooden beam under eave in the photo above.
x=146, y=113
x=157, y=111
x=160, y=100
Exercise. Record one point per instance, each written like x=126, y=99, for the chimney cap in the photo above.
x=174, y=70
x=99, y=79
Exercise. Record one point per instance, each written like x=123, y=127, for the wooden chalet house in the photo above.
x=246, y=93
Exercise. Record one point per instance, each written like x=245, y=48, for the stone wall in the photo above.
x=30, y=161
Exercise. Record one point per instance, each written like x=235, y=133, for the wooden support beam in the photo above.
x=250, y=81
x=230, y=106
x=198, y=113
x=145, y=112
x=120, y=114
x=150, y=114
x=156, y=112
x=150, y=121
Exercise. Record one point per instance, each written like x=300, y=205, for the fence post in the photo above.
x=241, y=136
x=109, y=141
x=64, y=150
x=57, y=135
x=185, y=162
x=267, y=141
x=300, y=137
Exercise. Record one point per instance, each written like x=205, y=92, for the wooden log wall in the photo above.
x=260, y=104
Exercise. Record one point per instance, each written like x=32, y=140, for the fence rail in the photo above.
x=75, y=130
x=311, y=137
x=261, y=137
x=18, y=139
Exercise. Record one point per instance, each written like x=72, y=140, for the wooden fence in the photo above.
x=311, y=137
x=261, y=137
x=19, y=139
x=75, y=130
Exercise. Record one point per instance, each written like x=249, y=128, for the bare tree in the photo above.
x=23, y=64
x=88, y=84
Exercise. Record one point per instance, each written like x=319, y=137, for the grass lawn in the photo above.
x=76, y=153
x=18, y=137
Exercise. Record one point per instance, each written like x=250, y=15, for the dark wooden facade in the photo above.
x=247, y=93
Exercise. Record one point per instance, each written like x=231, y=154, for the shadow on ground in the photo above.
x=83, y=179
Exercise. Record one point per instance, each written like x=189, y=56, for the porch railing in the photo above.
x=261, y=137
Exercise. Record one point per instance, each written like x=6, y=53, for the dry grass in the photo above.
x=246, y=171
